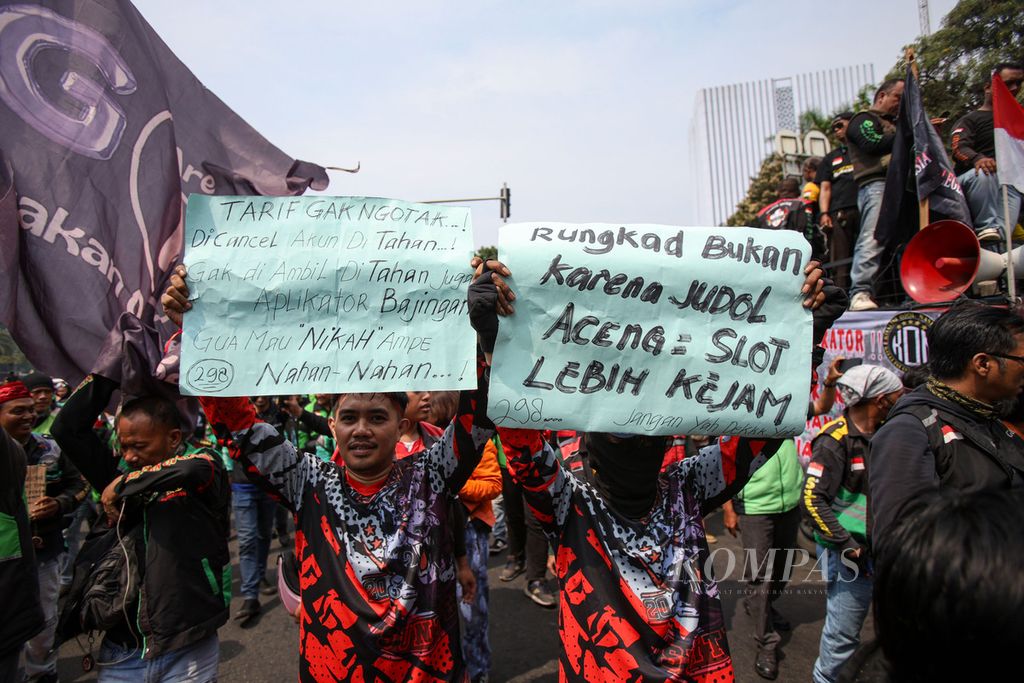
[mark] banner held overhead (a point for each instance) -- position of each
(653, 329)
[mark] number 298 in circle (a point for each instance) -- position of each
(210, 375)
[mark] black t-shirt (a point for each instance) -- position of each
(836, 168)
(973, 137)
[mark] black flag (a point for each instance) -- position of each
(103, 134)
(918, 169)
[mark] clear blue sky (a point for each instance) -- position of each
(582, 107)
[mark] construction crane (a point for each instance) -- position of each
(922, 15)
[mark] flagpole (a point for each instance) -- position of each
(1011, 282)
(922, 204)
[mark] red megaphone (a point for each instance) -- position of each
(943, 260)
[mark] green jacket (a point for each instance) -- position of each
(775, 487)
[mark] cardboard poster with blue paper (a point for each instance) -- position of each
(649, 329)
(316, 294)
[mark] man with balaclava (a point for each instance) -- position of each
(635, 601)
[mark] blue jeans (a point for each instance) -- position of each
(848, 601)
(499, 531)
(40, 655)
(985, 198)
(476, 647)
(85, 512)
(196, 663)
(867, 252)
(254, 521)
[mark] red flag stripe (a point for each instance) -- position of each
(1006, 111)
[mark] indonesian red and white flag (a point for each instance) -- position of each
(1008, 117)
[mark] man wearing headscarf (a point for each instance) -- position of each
(64, 490)
(21, 615)
(836, 500)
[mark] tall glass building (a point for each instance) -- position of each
(733, 128)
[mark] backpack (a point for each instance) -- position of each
(105, 584)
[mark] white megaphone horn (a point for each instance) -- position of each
(944, 259)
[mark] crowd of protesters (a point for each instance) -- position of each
(393, 502)
(840, 199)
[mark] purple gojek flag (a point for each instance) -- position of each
(103, 134)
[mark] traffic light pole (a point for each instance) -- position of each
(504, 196)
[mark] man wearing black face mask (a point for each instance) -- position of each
(636, 601)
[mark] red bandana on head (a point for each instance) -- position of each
(13, 390)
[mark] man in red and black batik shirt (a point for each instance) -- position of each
(373, 535)
(636, 601)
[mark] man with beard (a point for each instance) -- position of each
(974, 152)
(946, 435)
(635, 603)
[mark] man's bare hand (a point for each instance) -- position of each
(505, 294)
(826, 223)
(834, 373)
(175, 297)
(291, 405)
(731, 521)
(466, 578)
(814, 283)
(44, 508)
(109, 500)
(986, 165)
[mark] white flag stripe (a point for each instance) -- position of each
(1010, 159)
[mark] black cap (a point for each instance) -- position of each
(842, 116)
(38, 380)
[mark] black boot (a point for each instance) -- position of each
(767, 664)
(250, 608)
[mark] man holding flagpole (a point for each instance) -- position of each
(974, 153)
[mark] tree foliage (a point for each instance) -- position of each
(485, 253)
(11, 357)
(764, 189)
(812, 119)
(956, 61)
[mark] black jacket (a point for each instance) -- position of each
(869, 139)
(183, 504)
(21, 617)
(931, 444)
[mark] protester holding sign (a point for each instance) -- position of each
(637, 602)
(374, 538)
(64, 490)
(21, 613)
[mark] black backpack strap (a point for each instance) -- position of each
(929, 418)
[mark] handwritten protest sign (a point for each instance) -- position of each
(648, 329)
(325, 294)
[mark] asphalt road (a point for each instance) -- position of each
(524, 637)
